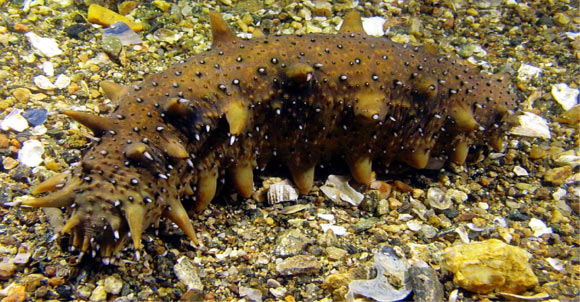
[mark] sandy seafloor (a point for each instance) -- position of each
(243, 239)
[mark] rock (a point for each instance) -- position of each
(326, 239)
(7, 269)
(334, 253)
(74, 31)
(383, 207)
(531, 125)
(98, 294)
(187, 273)
(21, 94)
(32, 281)
(35, 117)
(47, 47)
(561, 19)
(390, 284)
(571, 117)
(62, 81)
(483, 267)
(278, 292)
(111, 45)
(162, 5)
(301, 264)
(565, 96)
(322, 8)
(557, 176)
(13, 293)
(106, 17)
(126, 7)
(519, 171)
(251, 293)
(14, 121)
(365, 224)
(291, 243)
(123, 32)
(113, 284)
(425, 284)
(31, 152)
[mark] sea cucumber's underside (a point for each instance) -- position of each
(299, 100)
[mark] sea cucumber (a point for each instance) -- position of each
(300, 100)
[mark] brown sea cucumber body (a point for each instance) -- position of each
(301, 100)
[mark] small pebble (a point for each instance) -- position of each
(22, 95)
(531, 125)
(106, 17)
(557, 176)
(113, 284)
(528, 72)
(373, 26)
(187, 273)
(251, 294)
(35, 117)
(42, 82)
(124, 34)
(300, 264)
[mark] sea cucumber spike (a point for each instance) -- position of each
(460, 151)
(303, 178)
(361, 169)
(370, 105)
(221, 31)
(236, 115)
(58, 199)
(496, 142)
(99, 125)
(137, 151)
(418, 159)
(352, 23)
(206, 188)
(86, 242)
(134, 214)
(114, 91)
(463, 117)
(178, 215)
(243, 177)
(71, 223)
(176, 150)
(176, 106)
(300, 73)
(53, 183)
(425, 87)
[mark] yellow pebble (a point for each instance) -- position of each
(270, 221)
(162, 5)
(106, 17)
(126, 7)
(472, 12)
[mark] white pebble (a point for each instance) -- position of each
(48, 68)
(528, 72)
(519, 171)
(62, 81)
(532, 125)
(47, 47)
(14, 121)
(539, 227)
(31, 152)
(43, 82)
(373, 26)
(565, 96)
(327, 217)
(337, 230)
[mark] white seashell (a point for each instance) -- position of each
(539, 227)
(519, 171)
(373, 26)
(43, 82)
(47, 47)
(62, 81)
(337, 189)
(528, 72)
(565, 96)
(531, 125)
(31, 152)
(48, 68)
(282, 191)
(14, 121)
(337, 230)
